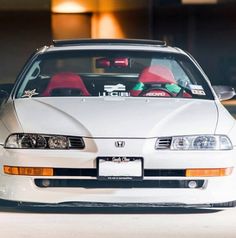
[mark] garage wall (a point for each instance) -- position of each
(25, 5)
(20, 34)
(208, 32)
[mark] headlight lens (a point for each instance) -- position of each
(58, 142)
(36, 141)
(198, 142)
(33, 141)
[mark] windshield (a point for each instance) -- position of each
(101, 73)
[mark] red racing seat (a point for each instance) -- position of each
(157, 74)
(65, 80)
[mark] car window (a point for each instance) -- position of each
(100, 73)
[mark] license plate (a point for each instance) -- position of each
(120, 168)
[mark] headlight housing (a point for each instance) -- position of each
(195, 142)
(39, 141)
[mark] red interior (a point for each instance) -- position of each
(66, 80)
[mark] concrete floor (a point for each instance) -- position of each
(158, 223)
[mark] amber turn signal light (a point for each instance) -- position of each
(208, 172)
(29, 171)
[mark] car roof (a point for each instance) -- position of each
(112, 44)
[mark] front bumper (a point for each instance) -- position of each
(23, 189)
(28, 189)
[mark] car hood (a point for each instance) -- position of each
(117, 117)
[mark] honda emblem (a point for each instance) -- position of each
(119, 144)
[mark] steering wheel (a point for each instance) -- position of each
(184, 90)
(161, 91)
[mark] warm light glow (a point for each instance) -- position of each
(78, 6)
(71, 26)
(106, 25)
(121, 5)
(69, 6)
(199, 1)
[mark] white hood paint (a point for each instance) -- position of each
(226, 122)
(117, 117)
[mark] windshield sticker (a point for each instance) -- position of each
(157, 94)
(29, 93)
(197, 90)
(111, 88)
(115, 90)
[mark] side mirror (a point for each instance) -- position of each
(224, 92)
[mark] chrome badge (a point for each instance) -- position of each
(119, 144)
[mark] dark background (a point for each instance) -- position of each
(207, 31)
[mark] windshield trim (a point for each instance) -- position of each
(170, 55)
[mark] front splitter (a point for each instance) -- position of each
(114, 205)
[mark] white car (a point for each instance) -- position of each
(116, 123)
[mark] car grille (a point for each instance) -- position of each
(76, 142)
(93, 172)
(92, 182)
(163, 143)
(95, 184)
(164, 172)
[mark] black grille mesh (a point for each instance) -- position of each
(93, 172)
(92, 183)
(163, 143)
(76, 142)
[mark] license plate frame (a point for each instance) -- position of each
(107, 168)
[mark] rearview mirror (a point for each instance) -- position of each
(224, 92)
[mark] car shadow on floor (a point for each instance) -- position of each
(11, 207)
